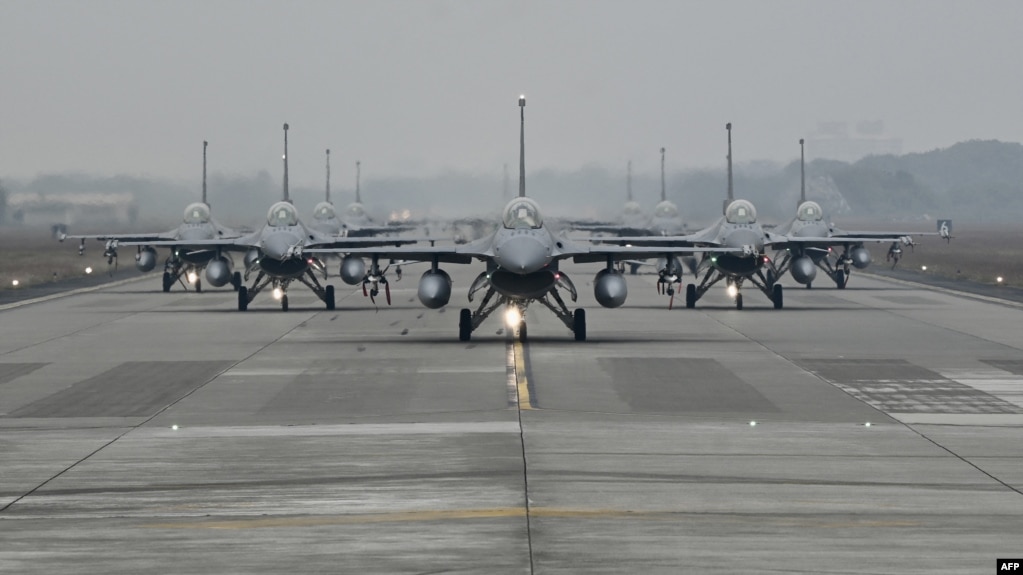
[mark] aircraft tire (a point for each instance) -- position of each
(840, 279)
(809, 285)
(236, 280)
(464, 325)
(522, 332)
(167, 282)
(198, 285)
(777, 296)
(329, 297)
(284, 302)
(243, 298)
(770, 278)
(579, 324)
(738, 301)
(691, 296)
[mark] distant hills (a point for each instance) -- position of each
(978, 180)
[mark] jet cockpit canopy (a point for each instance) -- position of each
(282, 214)
(632, 209)
(666, 209)
(355, 210)
(810, 212)
(522, 213)
(324, 211)
(197, 213)
(741, 212)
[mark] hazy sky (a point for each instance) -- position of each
(418, 87)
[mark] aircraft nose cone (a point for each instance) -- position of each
(522, 255)
(742, 238)
(277, 245)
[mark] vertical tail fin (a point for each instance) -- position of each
(802, 173)
(287, 198)
(731, 194)
(628, 182)
(204, 144)
(358, 176)
(664, 194)
(522, 146)
(328, 175)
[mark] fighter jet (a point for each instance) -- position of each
(197, 224)
(324, 216)
(812, 241)
(274, 252)
(522, 260)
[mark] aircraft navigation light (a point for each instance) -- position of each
(192, 276)
(512, 317)
(278, 293)
(88, 270)
(733, 291)
(15, 283)
(999, 279)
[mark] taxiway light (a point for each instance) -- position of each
(278, 293)
(88, 270)
(15, 283)
(733, 291)
(512, 317)
(192, 276)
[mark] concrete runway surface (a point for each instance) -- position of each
(143, 431)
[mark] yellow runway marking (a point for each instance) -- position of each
(522, 382)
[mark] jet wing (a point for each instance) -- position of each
(123, 238)
(616, 253)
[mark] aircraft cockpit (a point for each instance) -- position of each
(666, 209)
(356, 210)
(282, 214)
(741, 212)
(632, 209)
(324, 211)
(522, 213)
(197, 213)
(809, 212)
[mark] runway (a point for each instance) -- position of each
(168, 432)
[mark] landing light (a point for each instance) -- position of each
(867, 424)
(999, 279)
(278, 293)
(88, 270)
(15, 283)
(733, 291)
(752, 424)
(512, 317)
(924, 268)
(174, 427)
(192, 276)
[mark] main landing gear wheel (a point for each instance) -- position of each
(243, 298)
(738, 301)
(579, 324)
(236, 280)
(329, 296)
(840, 279)
(284, 302)
(770, 278)
(777, 296)
(691, 296)
(167, 282)
(464, 324)
(809, 285)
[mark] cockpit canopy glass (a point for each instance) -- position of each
(522, 213)
(197, 213)
(632, 209)
(324, 211)
(356, 211)
(666, 210)
(741, 212)
(810, 212)
(282, 214)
